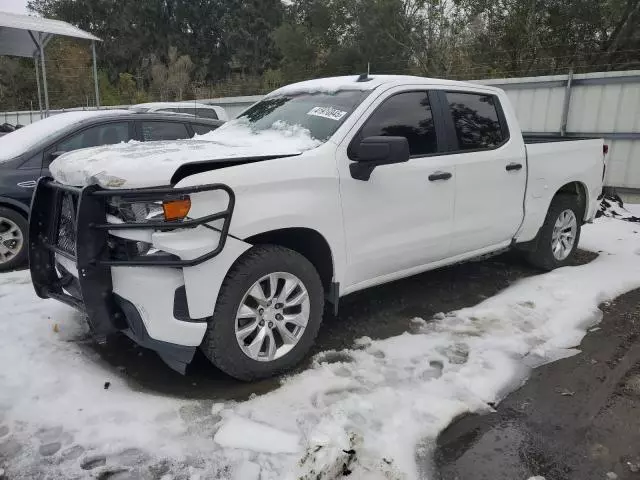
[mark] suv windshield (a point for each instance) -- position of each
(319, 113)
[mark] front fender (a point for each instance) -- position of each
(293, 192)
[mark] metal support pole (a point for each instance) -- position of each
(95, 73)
(35, 62)
(44, 80)
(567, 104)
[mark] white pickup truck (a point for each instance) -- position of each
(233, 241)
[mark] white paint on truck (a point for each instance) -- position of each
(451, 202)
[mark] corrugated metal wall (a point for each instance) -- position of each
(602, 104)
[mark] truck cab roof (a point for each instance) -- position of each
(368, 82)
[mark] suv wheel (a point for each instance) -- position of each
(268, 314)
(13, 239)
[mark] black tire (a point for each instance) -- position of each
(542, 256)
(19, 259)
(220, 345)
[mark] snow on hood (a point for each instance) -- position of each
(149, 164)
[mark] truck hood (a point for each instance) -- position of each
(150, 164)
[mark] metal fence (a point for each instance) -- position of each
(601, 104)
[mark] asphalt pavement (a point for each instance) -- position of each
(578, 418)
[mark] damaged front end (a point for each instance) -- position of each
(124, 258)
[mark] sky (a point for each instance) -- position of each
(13, 6)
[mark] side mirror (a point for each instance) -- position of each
(375, 151)
(54, 155)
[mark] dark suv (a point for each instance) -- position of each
(25, 156)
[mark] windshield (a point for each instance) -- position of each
(319, 113)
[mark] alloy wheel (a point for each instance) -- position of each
(272, 316)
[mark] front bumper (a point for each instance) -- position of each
(72, 260)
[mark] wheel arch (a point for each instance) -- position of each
(574, 188)
(580, 191)
(15, 206)
(309, 243)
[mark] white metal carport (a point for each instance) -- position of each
(26, 36)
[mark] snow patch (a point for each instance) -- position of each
(349, 82)
(362, 410)
(238, 432)
(613, 206)
(330, 85)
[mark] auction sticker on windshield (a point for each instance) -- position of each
(327, 112)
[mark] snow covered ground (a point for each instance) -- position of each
(369, 410)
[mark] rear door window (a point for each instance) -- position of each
(105, 134)
(476, 120)
(153, 131)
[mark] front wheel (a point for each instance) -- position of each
(267, 315)
(559, 236)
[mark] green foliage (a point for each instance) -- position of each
(248, 25)
(175, 49)
(109, 94)
(127, 88)
(17, 84)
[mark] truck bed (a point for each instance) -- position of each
(553, 162)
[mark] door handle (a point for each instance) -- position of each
(439, 176)
(513, 166)
(27, 184)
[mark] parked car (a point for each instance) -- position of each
(8, 128)
(192, 108)
(323, 188)
(25, 155)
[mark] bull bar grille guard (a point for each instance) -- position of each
(92, 254)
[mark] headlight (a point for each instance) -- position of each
(137, 211)
(141, 211)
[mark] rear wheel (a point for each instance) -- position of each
(559, 236)
(268, 314)
(13, 243)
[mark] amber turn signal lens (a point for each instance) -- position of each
(176, 209)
